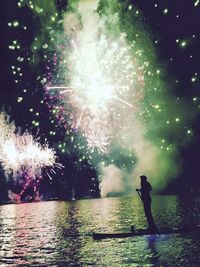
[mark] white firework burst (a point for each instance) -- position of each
(97, 140)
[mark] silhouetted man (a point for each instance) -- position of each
(145, 194)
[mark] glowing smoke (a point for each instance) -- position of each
(112, 180)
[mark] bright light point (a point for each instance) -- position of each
(158, 71)
(16, 23)
(130, 7)
(177, 40)
(183, 43)
(19, 99)
(194, 99)
(45, 46)
(177, 119)
(196, 3)
(165, 11)
(168, 122)
(193, 79)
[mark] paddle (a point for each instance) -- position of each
(139, 194)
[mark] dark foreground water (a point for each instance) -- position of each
(58, 233)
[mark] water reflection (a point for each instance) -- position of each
(68, 234)
(6, 236)
(27, 232)
(154, 256)
(59, 234)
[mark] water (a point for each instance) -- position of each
(58, 233)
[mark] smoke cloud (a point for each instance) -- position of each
(112, 181)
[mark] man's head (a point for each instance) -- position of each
(143, 178)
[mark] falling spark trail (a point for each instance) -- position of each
(79, 120)
(49, 176)
(76, 49)
(59, 87)
(66, 91)
(122, 101)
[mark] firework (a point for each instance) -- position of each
(22, 155)
(97, 140)
(103, 86)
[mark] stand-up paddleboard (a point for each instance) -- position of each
(142, 232)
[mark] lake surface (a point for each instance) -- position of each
(58, 233)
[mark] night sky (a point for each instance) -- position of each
(162, 39)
